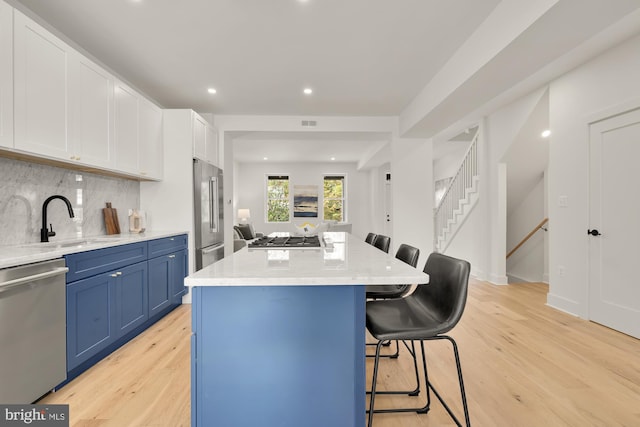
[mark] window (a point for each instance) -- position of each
(278, 205)
(334, 198)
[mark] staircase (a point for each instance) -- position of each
(458, 201)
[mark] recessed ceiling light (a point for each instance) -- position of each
(212, 90)
(333, 158)
(546, 133)
(265, 158)
(308, 91)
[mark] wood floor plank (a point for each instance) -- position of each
(524, 364)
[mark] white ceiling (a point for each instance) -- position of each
(281, 147)
(361, 57)
(427, 62)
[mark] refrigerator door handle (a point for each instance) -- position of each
(212, 248)
(213, 208)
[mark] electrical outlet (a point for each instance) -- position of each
(561, 271)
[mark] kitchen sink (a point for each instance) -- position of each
(76, 243)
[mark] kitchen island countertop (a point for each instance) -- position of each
(342, 260)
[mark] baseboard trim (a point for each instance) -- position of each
(563, 304)
(515, 279)
(498, 279)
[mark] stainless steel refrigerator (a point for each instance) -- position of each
(208, 212)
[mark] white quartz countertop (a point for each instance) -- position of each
(12, 255)
(343, 260)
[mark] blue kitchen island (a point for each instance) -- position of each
(278, 335)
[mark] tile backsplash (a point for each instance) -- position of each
(25, 186)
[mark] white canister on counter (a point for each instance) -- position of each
(137, 221)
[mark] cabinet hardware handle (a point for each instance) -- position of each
(172, 256)
(4, 286)
(113, 275)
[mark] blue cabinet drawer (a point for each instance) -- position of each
(91, 263)
(167, 245)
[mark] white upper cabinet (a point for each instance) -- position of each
(150, 140)
(91, 102)
(211, 144)
(55, 103)
(138, 134)
(40, 90)
(6, 75)
(199, 137)
(205, 140)
(126, 128)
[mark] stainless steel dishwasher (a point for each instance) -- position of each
(32, 330)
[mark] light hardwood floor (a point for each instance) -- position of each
(524, 364)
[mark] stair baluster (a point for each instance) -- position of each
(464, 182)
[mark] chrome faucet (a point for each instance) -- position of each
(44, 231)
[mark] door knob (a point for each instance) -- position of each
(594, 232)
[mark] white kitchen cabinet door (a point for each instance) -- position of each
(6, 75)
(211, 145)
(150, 140)
(199, 137)
(40, 90)
(92, 105)
(126, 128)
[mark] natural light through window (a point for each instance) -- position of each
(278, 203)
(334, 198)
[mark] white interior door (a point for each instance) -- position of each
(614, 253)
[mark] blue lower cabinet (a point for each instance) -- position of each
(113, 294)
(132, 309)
(159, 280)
(90, 317)
(166, 280)
(103, 308)
(295, 352)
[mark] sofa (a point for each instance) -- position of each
(243, 233)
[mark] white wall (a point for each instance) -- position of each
(412, 187)
(482, 239)
(503, 127)
(169, 203)
(249, 191)
(581, 96)
(527, 263)
(376, 191)
(447, 165)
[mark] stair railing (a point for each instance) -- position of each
(456, 191)
(528, 236)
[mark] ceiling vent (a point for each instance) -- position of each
(309, 123)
